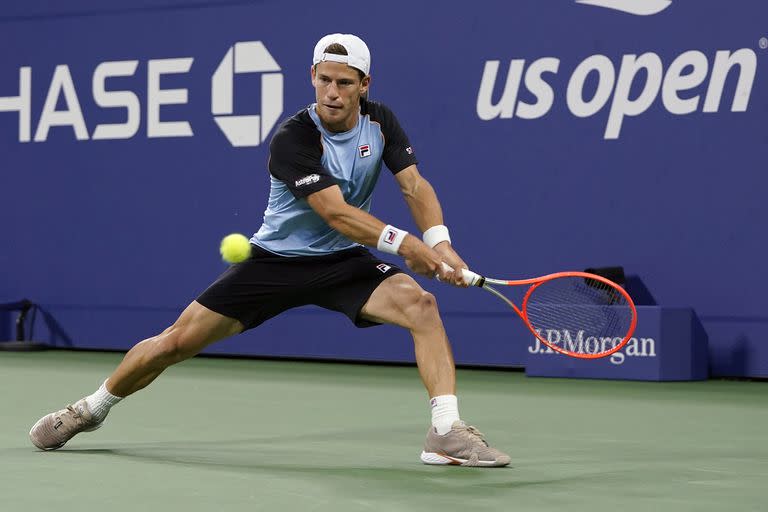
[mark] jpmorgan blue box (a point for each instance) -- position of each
(668, 344)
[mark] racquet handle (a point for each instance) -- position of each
(471, 278)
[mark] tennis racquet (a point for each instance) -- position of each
(574, 313)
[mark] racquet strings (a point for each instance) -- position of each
(579, 315)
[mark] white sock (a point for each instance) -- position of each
(445, 410)
(100, 402)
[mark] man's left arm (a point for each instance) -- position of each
(427, 213)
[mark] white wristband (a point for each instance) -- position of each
(435, 235)
(390, 239)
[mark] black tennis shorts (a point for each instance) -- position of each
(266, 284)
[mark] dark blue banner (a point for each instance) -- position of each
(559, 135)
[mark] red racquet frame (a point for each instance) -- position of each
(474, 279)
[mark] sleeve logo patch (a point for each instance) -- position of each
(365, 150)
(409, 150)
(307, 180)
(383, 267)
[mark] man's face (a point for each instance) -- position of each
(337, 91)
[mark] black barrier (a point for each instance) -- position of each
(23, 306)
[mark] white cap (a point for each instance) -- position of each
(357, 56)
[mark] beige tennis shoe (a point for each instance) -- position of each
(463, 445)
(55, 429)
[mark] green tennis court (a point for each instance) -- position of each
(221, 434)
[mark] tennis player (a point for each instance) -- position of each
(324, 164)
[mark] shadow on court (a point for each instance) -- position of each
(317, 465)
(470, 478)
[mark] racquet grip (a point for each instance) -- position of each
(471, 278)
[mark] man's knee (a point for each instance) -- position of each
(174, 345)
(196, 328)
(419, 307)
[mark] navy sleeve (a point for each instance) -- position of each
(398, 152)
(294, 157)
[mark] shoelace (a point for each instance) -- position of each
(75, 414)
(473, 433)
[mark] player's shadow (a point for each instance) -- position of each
(320, 456)
(341, 474)
(467, 482)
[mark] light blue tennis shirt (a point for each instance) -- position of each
(306, 158)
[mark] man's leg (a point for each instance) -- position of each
(196, 328)
(399, 300)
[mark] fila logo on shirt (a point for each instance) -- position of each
(383, 267)
(365, 150)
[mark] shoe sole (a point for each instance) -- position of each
(441, 459)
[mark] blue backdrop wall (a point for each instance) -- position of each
(559, 135)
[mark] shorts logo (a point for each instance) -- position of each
(308, 180)
(365, 150)
(383, 267)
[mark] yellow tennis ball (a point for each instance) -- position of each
(235, 248)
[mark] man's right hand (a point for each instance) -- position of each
(427, 262)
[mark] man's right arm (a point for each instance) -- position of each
(364, 228)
